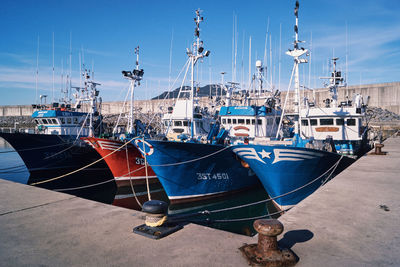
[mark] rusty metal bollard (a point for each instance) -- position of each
(378, 150)
(266, 252)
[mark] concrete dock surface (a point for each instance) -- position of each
(354, 220)
(44, 228)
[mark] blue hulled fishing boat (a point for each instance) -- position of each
(291, 169)
(197, 164)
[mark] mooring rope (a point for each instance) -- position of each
(208, 212)
(84, 167)
(83, 187)
(130, 177)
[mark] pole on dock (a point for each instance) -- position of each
(267, 252)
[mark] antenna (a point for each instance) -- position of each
(309, 65)
(242, 62)
(347, 71)
(249, 61)
(280, 52)
(170, 63)
(233, 42)
(52, 91)
(37, 71)
(265, 42)
(236, 37)
(270, 58)
(70, 66)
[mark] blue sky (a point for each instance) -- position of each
(106, 32)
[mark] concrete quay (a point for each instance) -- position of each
(354, 220)
(44, 228)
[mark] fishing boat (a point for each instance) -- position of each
(343, 121)
(136, 181)
(253, 114)
(291, 169)
(197, 165)
(55, 156)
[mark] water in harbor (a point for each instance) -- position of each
(214, 212)
(11, 165)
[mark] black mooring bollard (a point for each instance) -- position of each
(266, 252)
(156, 223)
(156, 212)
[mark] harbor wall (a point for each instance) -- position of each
(383, 95)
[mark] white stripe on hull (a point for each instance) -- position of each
(190, 196)
(134, 178)
(137, 194)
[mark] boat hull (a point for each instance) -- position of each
(51, 156)
(194, 171)
(290, 174)
(126, 164)
(128, 168)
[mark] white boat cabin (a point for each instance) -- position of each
(341, 123)
(177, 122)
(250, 121)
(60, 122)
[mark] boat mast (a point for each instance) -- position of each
(296, 53)
(135, 76)
(334, 81)
(195, 54)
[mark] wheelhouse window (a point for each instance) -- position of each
(229, 121)
(248, 121)
(351, 122)
(233, 121)
(62, 120)
(223, 121)
(339, 121)
(313, 122)
(304, 122)
(185, 123)
(75, 120)
(240, 121)
(36, 121)
(54, 121)
(45, 121)
(177, 123)
(253, 121)
(69, 120)
(259, 122)
(326, 122)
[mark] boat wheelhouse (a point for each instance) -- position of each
(250, 121)
(259, 115)
(342, 122)
(177, 121)
(61, 122)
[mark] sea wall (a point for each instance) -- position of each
(383, 95)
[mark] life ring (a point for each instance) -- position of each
(151, 149)
(241, 128)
